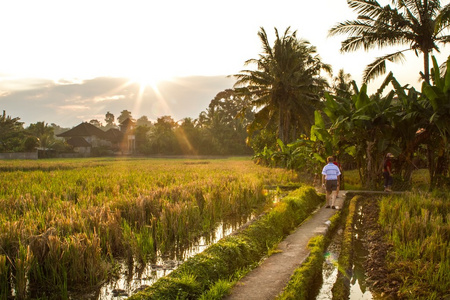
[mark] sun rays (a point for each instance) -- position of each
(149, 91)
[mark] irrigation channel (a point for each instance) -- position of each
(134, 278)
(358, 287)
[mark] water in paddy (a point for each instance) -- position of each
(358, 287)
(134, 278)
(329, 269)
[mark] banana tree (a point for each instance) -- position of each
(438, 96)
(363, 126)
(411, 127)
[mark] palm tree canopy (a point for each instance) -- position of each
(286, 83)
(420, 25)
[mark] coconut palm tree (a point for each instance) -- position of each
(342, 84)
(286, 85)
(418, 24)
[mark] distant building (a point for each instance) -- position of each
(85, 137)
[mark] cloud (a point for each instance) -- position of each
(70, 102)
(109, 98)
(71, 108)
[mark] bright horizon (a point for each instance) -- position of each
(56, 56)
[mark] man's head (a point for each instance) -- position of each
(389, 155)
(330, 159)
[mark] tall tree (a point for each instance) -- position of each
(43, 132)
(417, 24)
(109, 119)
(11, 133)
(286, 85)
(342, 84)
(188, 136)
(58, 129)
(162, 136)
(224, 123)
(142, 140)
(124, 114)
(143, 121)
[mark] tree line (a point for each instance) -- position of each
(217, 131)
(289, 114)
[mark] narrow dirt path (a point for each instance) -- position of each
(270, 278)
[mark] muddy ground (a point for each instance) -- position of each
(382, 283)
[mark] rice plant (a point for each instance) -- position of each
(77, 218)
(418, 226)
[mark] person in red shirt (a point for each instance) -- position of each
(387, 173)
(335, 162)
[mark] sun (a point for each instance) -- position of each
(146, 80)
(149, 91)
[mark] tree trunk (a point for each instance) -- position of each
(361, 175)
(283, 124)
(405, 160)
(426, 65)
(371, 170)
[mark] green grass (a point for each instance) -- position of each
(219, 288)
(420, 180)
(351, 180)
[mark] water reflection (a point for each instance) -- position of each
(358, 285)
(135, 278)
(330, 267)
(275, 195)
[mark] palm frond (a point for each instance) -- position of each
(444, 39)
(368, 8)
(355, 27)
(378, 67)
(355, 87)
(385, 83)
(368, 35)
(265, 42)
(413, 16)
(442, 20)
(354, 43)
(410, 6)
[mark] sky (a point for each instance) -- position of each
(66, 62)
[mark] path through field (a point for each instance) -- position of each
(270, 278)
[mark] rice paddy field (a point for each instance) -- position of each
(418, 228)
(66, 225)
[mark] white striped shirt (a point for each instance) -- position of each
(331, 171)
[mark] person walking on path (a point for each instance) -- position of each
(341, 179)
(387, 173)
(330, 180)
